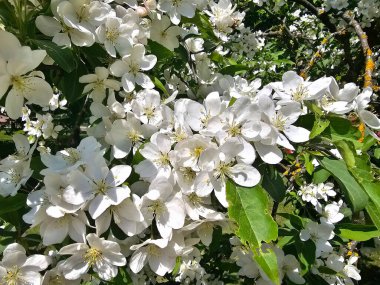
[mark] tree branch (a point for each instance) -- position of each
(369, 64)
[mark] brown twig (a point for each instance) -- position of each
(317, 54)
(369, 64)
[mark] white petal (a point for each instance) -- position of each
(13, 104)
(138, 260)
(245, 175)
(119, 174)
(297, 134)
(269, 153)
(369, 119)
(98, 205)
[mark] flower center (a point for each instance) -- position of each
(92, 255)
(197, 151)
(300, 93)
(234, 130)
(11, 278)
(279, 122)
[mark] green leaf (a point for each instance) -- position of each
(347, 151)
(318, 127)
(249, 208)
(162, 53)
(320, 175)
(233, 69)
(341, 128)
(63, 56)
(267, 260)
(160, 86)
(306, 253)
(272, 182)
(204, 26)
(356, 196)
(70, 86)
(10, 204)
(357, 232)
(374, 213)
(295, 221)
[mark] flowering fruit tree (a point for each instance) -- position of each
(188, 142)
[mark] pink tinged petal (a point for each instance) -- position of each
(118, 174)
(369, 119)
(269, 153)
(144, 81)
(245, 175)
(38, 260)
(138, 260)
(13, 104)
(119, 68)
(297, 134)
(98, 205)
(5, 82)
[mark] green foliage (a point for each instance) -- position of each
(248, 207)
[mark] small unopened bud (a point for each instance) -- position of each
(141, 11)
(150, 4)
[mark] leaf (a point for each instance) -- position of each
(272, 182)
(63, 56)
(295, 220)
(233, 69)
(70, 86)
(10, 204)
(320, 175)
(267, 260)
(357, 232)
(374, 213)
(204, 26)
(248, 207)
(306, 253)
(160, 86)
(347, 151)
(161, 52)
(318, 127)
(341, 128)
(356, 196)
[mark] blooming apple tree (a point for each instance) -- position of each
(188, 142)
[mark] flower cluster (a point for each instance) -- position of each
(162, 127)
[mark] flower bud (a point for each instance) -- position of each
(141, 11)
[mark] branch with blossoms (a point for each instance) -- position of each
(170, 142)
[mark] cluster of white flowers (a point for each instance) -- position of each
(288, 265)
(156, 168)
(369, 10)
(245, 42)
(321, 234)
